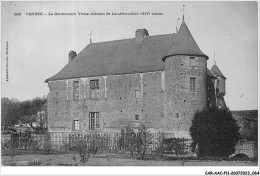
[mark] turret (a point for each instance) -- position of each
(211, 93)
(220, 86)
(185, 80)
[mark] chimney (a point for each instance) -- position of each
(72, 54)
(140, 34)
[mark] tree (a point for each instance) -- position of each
(9, 112)
(144, 139)
(215, 132)
(83, 150)
(13, 110)
(29, 119)
(127, 141)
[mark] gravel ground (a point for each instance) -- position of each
(114, 160)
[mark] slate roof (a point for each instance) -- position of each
(210, 73)
(185, 44)
(126, 56)
(217, 71)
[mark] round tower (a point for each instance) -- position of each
(185, 81)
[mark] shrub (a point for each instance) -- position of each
(99, 143)
(240, 157)
(175, 144)
(159, 150)
(34, 145)
(28, 142)
(121, 141)
(215, 132)
(85, 145)
(47, 142)
(12, 144)
(83, 150)
(127, 141)
(135, 142)
(94, 143)
(144, 140)
(70, 145)
(24, 140)
(40, 130)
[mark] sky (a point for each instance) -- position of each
(37, 47)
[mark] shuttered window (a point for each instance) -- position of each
(94, 89)
(76, 90)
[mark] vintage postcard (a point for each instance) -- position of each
(129, 83)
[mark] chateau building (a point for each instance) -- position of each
(159, 81)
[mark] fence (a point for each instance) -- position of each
(112, 142)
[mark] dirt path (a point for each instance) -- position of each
(101, 160)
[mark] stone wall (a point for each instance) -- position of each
(117, 104)
(163, 95)
(211, 94)
(181, 102)
(221, 86)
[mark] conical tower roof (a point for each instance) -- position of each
(185, 44)
(217, 71)
(210, 73)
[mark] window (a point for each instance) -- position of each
(94, 89)
(136, 116)
(93, 120)
(75, 125)
(192, 84)
(192, 61)
(137, 94)
(76, 90)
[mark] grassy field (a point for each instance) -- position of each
(63, 159)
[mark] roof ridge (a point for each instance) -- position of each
(130, 39)
(125, 56)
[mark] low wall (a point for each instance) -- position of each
(248, 147)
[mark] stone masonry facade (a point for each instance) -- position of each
(165, 100)
(158, 81)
